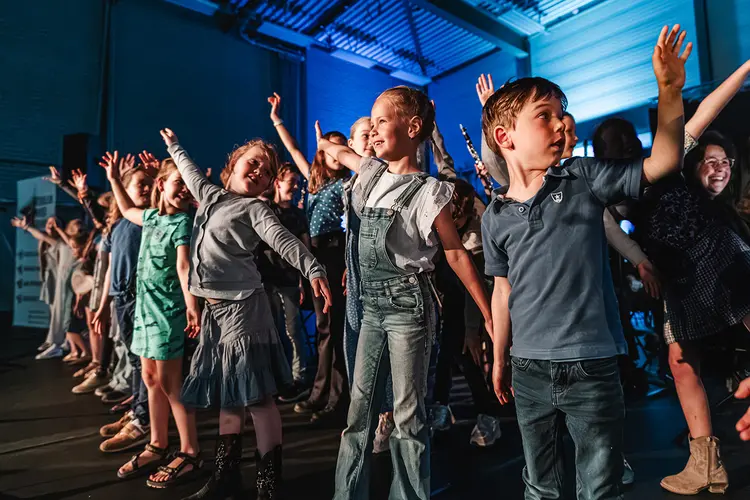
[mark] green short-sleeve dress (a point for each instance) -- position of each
(160, 321)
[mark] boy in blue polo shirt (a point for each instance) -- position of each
(545, 245)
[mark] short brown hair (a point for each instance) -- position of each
(503, 107)
(268, 149)
(411, 102)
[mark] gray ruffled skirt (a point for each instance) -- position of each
(240, 360)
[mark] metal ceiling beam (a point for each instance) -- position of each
(477, 22)
(414, 36)
(328, 16)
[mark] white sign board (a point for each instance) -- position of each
(28, 310)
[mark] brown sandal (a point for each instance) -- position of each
(136, 468)
(173, 473)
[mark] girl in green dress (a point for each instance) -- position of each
(164, 312)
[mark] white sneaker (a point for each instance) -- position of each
(51, 352)
(383, 433)
(486, 432)
(628, 476)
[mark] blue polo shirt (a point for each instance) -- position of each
(553, 250)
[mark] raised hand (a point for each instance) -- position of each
(669, 64)
(485, 88)
(318, 133)
(54, 176)
(168, 136)
(111, 164)
(79, 181)
(19, 223)
(275, 102)
(150, 163)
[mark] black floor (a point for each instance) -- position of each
(49, 445)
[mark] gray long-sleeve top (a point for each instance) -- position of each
(226, 230)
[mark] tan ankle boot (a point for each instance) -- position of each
(704, 470)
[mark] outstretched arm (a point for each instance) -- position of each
(669, 69)
(37, 234)
(289, 143)
(112, 164)
(196, 182)
(344, 154)
(712, 105)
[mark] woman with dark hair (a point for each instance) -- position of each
(701, 246)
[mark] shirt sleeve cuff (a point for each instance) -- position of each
(498, 271)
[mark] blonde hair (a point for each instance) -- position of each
(409, 103)
(165, 170)
(268, 150)
(355, 125)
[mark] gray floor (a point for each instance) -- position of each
(49, 439)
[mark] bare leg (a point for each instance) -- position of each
(267, 423)
(94, 340)
(170, 378)
(684, 360)
(159, 412)
(73, 346)
(231, 420)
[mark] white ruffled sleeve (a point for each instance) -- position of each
(430, 201)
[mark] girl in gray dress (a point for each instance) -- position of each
(240, 361)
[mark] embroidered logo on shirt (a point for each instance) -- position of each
(557, 197)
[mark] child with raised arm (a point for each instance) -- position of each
(240, 361)
(164, 311)
(121, 247)
(403, 215)
(325, 207)
(543, 234)
(48, 248)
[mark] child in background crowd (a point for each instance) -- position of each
(122, 246)
(325, 207)
(283, 281)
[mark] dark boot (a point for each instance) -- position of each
(268, 481)
(226, 481)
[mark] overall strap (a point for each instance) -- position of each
(404, 199)
(373, 182)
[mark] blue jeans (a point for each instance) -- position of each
(125, 310)
(398, 330)
(584, 396)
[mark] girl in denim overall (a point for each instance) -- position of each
(398, 206)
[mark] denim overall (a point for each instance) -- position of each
(354, 294)
(398, 329)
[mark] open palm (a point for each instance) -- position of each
(669, 64)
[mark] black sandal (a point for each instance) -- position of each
(173, 473)
(135, 466)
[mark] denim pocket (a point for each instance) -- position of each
(521, 364)
(367, 242)
(598, 368)
(406, 302)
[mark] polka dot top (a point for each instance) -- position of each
(325, 209)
